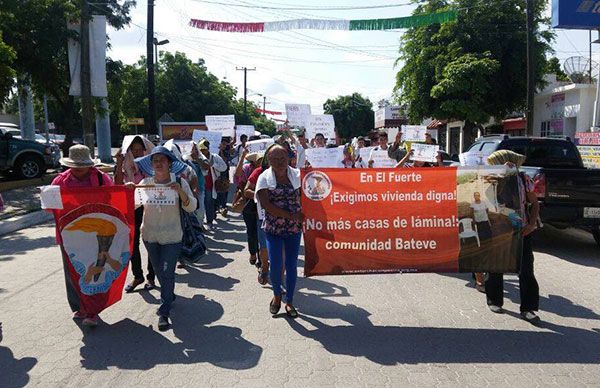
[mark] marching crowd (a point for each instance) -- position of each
(267, 194)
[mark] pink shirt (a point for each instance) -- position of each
(67, 179)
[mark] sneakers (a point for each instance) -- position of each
(78, 315)
(496, 309)
(530, 317)
(90, 321)
(163, 323)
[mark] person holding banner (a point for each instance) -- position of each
(161, 226)
(127, 171)
(81, 173)
(278, 193)
(530, 209)
(212, 165)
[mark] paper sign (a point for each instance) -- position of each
(325, 157)
(214, 138)
(413, 133)
(424, 152)
(392, 132)
(184, 146)
(323, 124)
(158, 196)
(381, 159)
(240, 130)
(297, 114)
(259, 145)
(473, 158)
(50, 197)
(224, 124)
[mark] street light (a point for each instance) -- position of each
(156, 44)
(264, 101)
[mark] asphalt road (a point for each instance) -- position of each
(375, 330)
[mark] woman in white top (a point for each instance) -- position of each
(161, 225)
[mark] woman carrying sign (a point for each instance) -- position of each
(278, 193)
(530, 209)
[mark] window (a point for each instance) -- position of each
(546, 130)
(488, 147)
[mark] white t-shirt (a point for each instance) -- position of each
(480, 211)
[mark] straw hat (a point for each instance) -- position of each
(202, 144)
(79, 157)
(506, 156)
(255, 157)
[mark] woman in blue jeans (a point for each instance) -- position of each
(278, 193)
(161, 224)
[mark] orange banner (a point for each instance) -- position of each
(397, 220)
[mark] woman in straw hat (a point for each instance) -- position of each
(161, 225)
(80, 173)
(530, 209)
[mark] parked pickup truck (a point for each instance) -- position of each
(26, 158)
(569, 194)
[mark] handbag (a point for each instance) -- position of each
(222, 184)
(193, 242)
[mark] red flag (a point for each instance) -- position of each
(95, 230)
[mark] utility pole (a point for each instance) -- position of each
(245, 69)
(87, 108)
(530, 67)
(265, 106)
(151, 125)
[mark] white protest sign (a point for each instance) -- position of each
(325, 157)
(381, 159)
(50, 197)
(240, 130)
(433, 133)
(413, 133)
(259, 145)
(185, 146)
(323, 124)
(214, 138)
(158, 196)
(473, 158)
(424, 152)
(297, 114)
(224, 124)
(392, 132)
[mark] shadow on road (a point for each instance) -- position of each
(14, 372)
(129, 345)
(573, 245)
(391, 345)
(18, 243)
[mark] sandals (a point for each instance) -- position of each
(274, 308)
(291, 311)
(263, 277)
(252, 260)
(131, 286)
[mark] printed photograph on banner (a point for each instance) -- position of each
(381, 159)
(414, 133)
(325, 157)
(297, 114)
(259, 145)
(221, 123)
(214, 138)
(157, 196)
(424, 152)
(323, 124)
(240, 130)
(489, 217)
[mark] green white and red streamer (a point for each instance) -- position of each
(324, 24)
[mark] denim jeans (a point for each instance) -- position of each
(209, 206)
(277, 245)
(163, 259)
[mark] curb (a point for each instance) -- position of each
(13, 224)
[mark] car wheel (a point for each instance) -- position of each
(29, 167)
(596, 234)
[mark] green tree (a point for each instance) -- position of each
(553, 67)
(472, 68)
(7, 73)
(353, 115)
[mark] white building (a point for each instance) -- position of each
(562, 109)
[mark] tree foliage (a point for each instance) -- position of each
(472, 68)
(353, 114)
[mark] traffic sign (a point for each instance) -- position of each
(135, 121)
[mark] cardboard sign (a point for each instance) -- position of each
(214, 138)
(424, 152)
(381, 159)
(414, 133)
(325, 157)
(222, 123)
(323, 124)
(259, 145)
(411, 220)
(297, 114)
(240, 130)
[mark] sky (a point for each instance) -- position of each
(302, 66)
